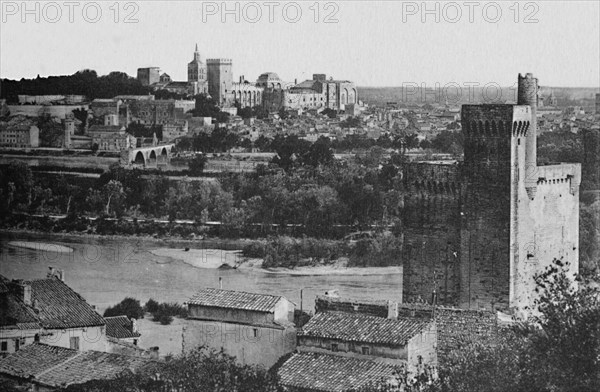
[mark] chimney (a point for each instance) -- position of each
(60, 274)
(23, 291)
(134, 327)
(392, 310)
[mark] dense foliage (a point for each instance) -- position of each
(202, 370)
(129, 307)
(85, 82)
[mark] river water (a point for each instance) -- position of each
(104, 271)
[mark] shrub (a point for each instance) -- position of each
(151, 306)
(129, 307)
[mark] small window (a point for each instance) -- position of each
(334, 347)
(255, 332)
(4, 346)
(74, 343)
(366, 351)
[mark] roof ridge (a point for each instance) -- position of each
(59, 364)
(240, 291)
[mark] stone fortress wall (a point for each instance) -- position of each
(476, 232)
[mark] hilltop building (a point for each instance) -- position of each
(148, 76)
(317, 93)
(198, 74)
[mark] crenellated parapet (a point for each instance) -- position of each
(560, 174)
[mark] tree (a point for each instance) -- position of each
(196, 164)
(113, 192)
(557, 349)
(129, 307)
(203, 369)
(319, 153)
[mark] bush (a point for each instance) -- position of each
(129, 307)
(151, 306)
(164, 312)
(165, 319)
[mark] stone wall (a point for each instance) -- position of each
(329, 304)
(251, 345)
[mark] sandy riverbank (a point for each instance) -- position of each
(41, 246)
(215, 258)
(201, 258)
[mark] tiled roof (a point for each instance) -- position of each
(324, 372)
(91, 365)
(59, 306)
(34, 359)
(235, 300)
(356, 327)
(59, 367)
(15, 312)
(120, 327)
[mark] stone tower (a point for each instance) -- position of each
(478, 232)
(197, 71)
(527, 94)
(220, 80)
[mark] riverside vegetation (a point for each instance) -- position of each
(297, 209)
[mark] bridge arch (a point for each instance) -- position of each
(139, 158)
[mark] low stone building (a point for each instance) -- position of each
(309, 371)
(257, 329)
(50, 312)
(123, 329)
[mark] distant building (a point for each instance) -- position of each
(148, 76)
(111, 138)
(19, 132)
(255, 328)
(310, 94)
(198, 74)
(220, 79)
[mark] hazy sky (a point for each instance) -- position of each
(374, 43)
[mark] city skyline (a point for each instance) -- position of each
(377, 44)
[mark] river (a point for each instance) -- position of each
(104, 271)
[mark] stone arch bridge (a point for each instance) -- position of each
(152, 156)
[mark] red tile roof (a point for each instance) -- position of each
(357, 327)
(60, 367)
(235, 300)
(59, 306)
(120, 327)
(324, 372)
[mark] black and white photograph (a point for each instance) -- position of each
(299, 196)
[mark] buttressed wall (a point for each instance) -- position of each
(488, 225)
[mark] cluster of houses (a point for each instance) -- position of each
(51, 337)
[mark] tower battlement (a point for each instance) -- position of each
(219, 61)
